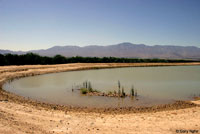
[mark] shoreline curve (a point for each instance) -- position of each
(12, 72)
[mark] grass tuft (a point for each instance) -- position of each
(84, 90)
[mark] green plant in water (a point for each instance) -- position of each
(72, 89)
(132, 91)
(86, 84)
(90, 87)
(136, 93)
(119, 92)
(84, 90)
(119, 85)
(110, 92)
(123, 93)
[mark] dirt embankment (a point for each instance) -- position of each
(18, 115)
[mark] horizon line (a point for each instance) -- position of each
(99, 45)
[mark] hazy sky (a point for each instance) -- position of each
(36, 24)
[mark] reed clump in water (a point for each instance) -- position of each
(121, 93)
(84, 90)
(87, 89)
(133, 92)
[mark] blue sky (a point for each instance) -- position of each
(37, 24)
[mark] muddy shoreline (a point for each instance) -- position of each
(12, 72)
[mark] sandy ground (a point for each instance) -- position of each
(20, 118)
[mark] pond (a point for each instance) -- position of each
(154, 85)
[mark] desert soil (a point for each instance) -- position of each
(19, 117)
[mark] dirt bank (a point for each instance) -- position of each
(18, 115)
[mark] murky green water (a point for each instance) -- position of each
(155, 85)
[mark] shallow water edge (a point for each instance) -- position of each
(12, 72)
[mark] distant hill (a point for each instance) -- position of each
(11, 52)
(127, 50)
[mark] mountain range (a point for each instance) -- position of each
(126, 49)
